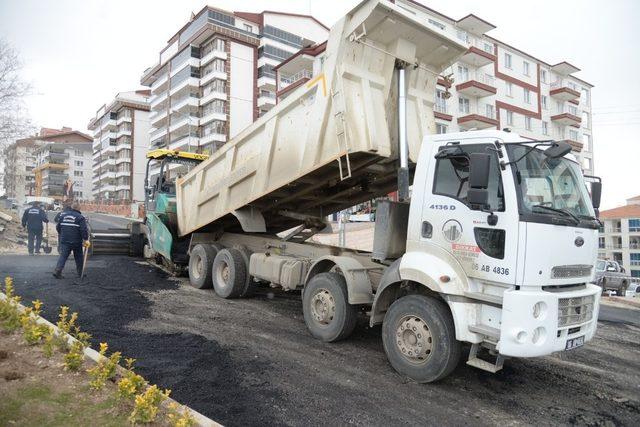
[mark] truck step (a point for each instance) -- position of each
(487, 331)
(493, 299)
(476, 362)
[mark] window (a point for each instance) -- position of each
(525, 68)
(543, 76)
(78, 153)
(282, 36)
(79, 163)
(463, 105)
(545, 128)
(584, 95)
(573, 135)
(489, 111)
(634, 225)
(510, 118)
(215, 44)
(527, 123)
(509, 88)
(586, 142)
(488, 47)
(440, 128)
(78, 173)
(585, 119)
(572, 109)
(527, 96)
(441, 101)
(462, 35)
(586, 163)
(248, 27)
(451, 178)
(601, 242)
(269, 51)
(507, 60)
(543, 100)
(463, 73)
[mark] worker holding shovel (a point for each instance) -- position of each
(74, 235)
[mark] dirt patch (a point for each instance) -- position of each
(35, 390)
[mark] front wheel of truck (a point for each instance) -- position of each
(419, 338)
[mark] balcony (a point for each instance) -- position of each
(479, 53)
(213, 137)
(214, 54)
(182, 122)
(221, 75)
(568, 117)
(188, 83)
(484, 117)
(564, 91)
(267, 82)
(160, 84)
(158, 118)
(477, 85)
(185, 102)
(158, 100)
(107, 125)
(211, 96)
(211, 116)
(158, 133)
(440, 111)
(266, 99)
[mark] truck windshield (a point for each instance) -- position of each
(550, 187)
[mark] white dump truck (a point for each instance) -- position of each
(494, 247)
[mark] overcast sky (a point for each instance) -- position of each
(79, 53)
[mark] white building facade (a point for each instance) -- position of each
(215, 77)
(619, 238)
(57, 163)
(120, 144)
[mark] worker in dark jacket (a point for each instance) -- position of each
(73, 236)
(32, 218)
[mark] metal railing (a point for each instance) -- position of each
(477, 76)
(560, 83)
(485, 110)
(286, 81)
(440, 107)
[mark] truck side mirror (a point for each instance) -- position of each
(596, 193)
(478, 194)
(557, 149)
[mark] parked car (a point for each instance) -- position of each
(611, 276)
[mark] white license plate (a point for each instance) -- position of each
(574, 343)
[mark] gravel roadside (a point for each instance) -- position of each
(252, 361)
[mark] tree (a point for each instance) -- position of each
(14, 122)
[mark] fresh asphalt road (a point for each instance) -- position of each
(252, 361)
(619, 315)
(100, 222)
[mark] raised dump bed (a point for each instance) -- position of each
(333, 142)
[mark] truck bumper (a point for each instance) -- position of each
(536, 323)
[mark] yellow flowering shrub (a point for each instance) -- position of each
(145, 409)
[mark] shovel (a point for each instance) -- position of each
(47, 249)
(85, 256)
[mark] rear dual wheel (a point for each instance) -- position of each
(200, 264)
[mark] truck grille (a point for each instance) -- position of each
(569, 271)
(573, 311)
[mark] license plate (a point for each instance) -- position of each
(574, 343)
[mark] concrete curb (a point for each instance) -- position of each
(94, 357)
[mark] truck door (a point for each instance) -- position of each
(483, 250)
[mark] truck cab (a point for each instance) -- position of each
(513, 256)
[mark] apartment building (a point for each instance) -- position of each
(493, 85)
(619, 238)
(21, 160)
(60, 164)
(215, 75)
(120, 144)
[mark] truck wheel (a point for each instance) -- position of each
(419, 338)
(622, 291)
(229, 273)
(250, 285)
(326, 308)
(200, 263)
